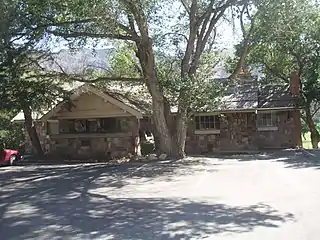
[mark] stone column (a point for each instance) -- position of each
(297, 127)
(137, 145)
(295, 92)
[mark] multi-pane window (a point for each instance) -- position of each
(267, 119)
(102, 125)
(207, 122)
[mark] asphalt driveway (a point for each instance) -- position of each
(274, 196)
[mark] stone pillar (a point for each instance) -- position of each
(137, 145)
(297, 127)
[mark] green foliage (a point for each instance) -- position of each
(286, 38)
(12, 134)
(23, 82)
(124, 63)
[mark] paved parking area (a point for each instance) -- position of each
(274, 196)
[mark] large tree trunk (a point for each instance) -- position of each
(315, 136)
(181, 133)
(241, 61)
(31, 129)
(147, 60)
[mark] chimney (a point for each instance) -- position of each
(295, 84)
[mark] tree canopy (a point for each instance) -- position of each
(143, 23)
(285, 38)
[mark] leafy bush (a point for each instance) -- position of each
(12, 134)
(147, 148)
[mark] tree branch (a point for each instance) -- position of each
(246, 41)
(276, 73)
(185, 65)
(173, 33)
(91, 35)
(81, 79)
(139, 16)
(53, 23)
(185, 5)
(101, 79)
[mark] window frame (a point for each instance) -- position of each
(99, 124)
(267, 121)
(270, 121)
(207, 124)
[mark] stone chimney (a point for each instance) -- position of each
(295, 92)
(295, 84)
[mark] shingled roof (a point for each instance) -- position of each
(133, 100)
(254, 96)
(246, 96)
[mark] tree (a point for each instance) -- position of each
(23, 82)
(139, 22)
(285, 38)
(10, 133)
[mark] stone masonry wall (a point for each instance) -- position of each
(88, 146)
(238, 131)
(283, 138)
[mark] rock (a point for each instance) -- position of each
(138, 158)
(163, 156)
(152, 157)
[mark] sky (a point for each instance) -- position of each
(227, 36)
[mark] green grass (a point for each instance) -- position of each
(307, 143)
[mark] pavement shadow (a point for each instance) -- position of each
(253, 156)
(168, 170)
(64, 208)
(58, 203)
(295, 159)
(165, 170)
(303, 159)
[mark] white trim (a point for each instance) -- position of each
(90, 135)
(96, 116)
(264, 110)
(53, 120)
(252, 110)
(268, 129)
(208, 114)
(207, 131)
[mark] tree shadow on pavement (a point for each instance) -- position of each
(166, 170)
(303, 159)
(291, 158)
(59, 204)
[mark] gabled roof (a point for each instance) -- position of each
(90, 88)
(132, 100)
(108, 96)
(238, 97)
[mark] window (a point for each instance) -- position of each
(66, 126)
(80, 126)
(94, 125)
(102, 125)
(267, 119)
(110, 125)
(207, 122)
(85, 143)
(52, 127)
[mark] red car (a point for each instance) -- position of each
(8, 156)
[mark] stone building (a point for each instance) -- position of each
(107, 123)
